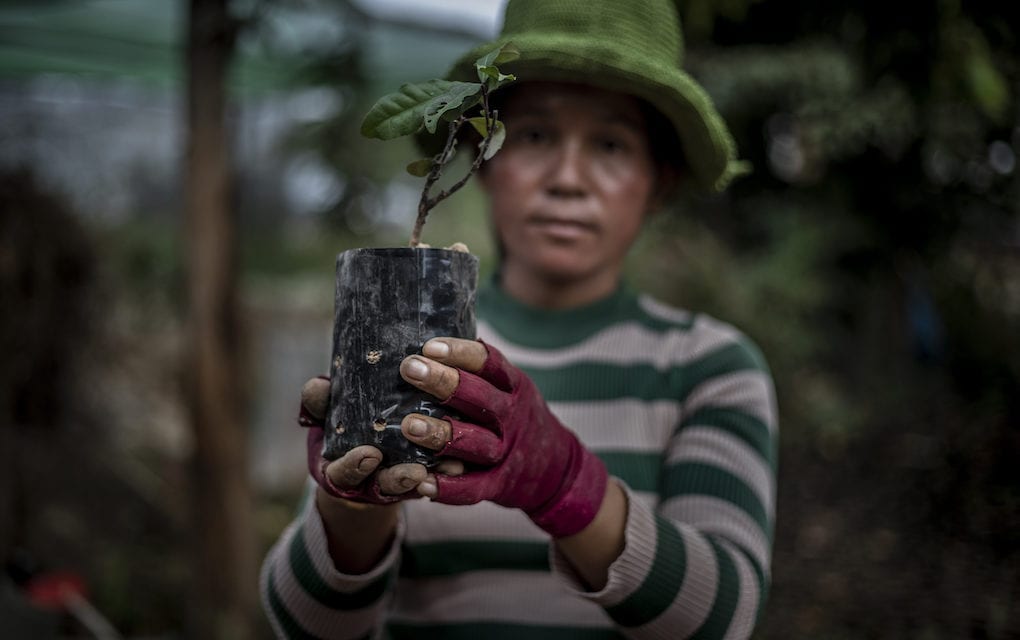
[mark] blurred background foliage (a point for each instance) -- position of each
(874, 254)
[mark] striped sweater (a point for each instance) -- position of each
(681, 409)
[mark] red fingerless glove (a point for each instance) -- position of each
(528, 459)
(368, 491)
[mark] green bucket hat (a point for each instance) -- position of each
(633, 47)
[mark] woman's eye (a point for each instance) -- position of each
(529, 135)
(534, 136)
(611, 145)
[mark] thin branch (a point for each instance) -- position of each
(438, 162)
(443, 195)
(426, 204)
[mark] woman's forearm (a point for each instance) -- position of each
(594, 548)
(358, 535)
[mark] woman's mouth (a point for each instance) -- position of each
(562, 229)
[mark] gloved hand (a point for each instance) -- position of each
(518, 453)
(352, 476)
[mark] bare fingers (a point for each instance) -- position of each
(349, 470)
(431, 433)
(429, 487)
(430, 376)
(468, 355)
(401, 478)
(437, 370)
(315, 397)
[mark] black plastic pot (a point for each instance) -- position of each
(389, 302)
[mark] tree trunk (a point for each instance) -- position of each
(225, 576)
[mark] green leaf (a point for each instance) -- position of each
(487, 70)
(402, 113)
(458, 98)
(479, 125)
(496, 140)
(988, 87)
(493, 78)
(506, 53)
(420, 168)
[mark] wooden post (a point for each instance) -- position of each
(225, 573)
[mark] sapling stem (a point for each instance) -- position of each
(426, 204)
(427, 104)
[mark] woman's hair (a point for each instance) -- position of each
(667, 154)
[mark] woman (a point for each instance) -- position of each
(617, 479)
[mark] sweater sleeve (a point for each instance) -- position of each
(303, 594)
(697, 564)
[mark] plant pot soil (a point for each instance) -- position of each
(388, 303)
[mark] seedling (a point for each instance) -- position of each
(429, 104)
(389, 301)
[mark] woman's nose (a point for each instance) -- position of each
(568, 174)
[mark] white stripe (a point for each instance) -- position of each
(495, 596)
(721, 449)
(430, 522)
(433, 522)
(649, 499)
(318, 550)
(268, 566)
(623, 424)
(313, 617)
(748, 391)
(662, 311)
(631, 567)
(715, 516)
(742, 622)
(709, 334)
(623, 344)
(693, 603)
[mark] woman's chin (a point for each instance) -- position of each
(563, 269)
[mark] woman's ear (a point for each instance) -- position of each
(666, 184)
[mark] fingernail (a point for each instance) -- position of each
(408, 483)
(436, 349)
(416, 369)
(367, 464)
(417, 428)
(428, 488)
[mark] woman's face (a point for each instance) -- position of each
(571, 185)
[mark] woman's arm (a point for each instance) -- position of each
(304, 592)
(695, 562)
(332, 569)
(591, 551)
(357, 535)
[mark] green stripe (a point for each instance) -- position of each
(555, 328)
(497, 631)
(744, 426)
(551, 328)
(735, 356)
(450, 558)
(290, 626)
(763, 585)
(587, 381)
(313, 584)
(725, 602)
(696, 478)
(639, 470)
(662, 583)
